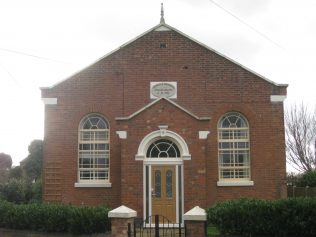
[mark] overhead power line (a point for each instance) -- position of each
(9, 73)
(30, 55)
(246, 24)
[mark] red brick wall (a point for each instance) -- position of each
(118, 85)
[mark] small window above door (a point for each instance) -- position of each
(163, 149)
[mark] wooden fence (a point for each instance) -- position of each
(293, 191)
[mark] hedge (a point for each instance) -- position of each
(54, 218)
(253, 217)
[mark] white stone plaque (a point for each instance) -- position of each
(163, 89)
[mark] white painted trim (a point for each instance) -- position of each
(139, 157)
(164, 127)
(177, 194)
(150, 189)
(93, 185)
(186, 157)
(138, 111)
(162, 28)
(122, 134)
(182, 190)
(163, 130)
(195, 214)
(163, 161)
(203, 134)
(277, 98)
(156, 101)
(234, 183)
(122, 212)
(144, 191)
(50, 101)
(148, 139)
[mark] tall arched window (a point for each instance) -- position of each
(94, 150)
(233, 148)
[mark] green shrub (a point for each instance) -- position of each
(252, 217)
(14, 190)
(302, 180)
(88, 220)
(21, 191)
(307, 179)
(5, 208)
(36, 190)
(54, 218)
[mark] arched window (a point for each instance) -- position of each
(163, 149)
(94, 150)
(233, 147)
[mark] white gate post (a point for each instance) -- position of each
(195, 222)
(120, 218)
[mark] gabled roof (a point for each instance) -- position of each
(165, 27)
(155, 102)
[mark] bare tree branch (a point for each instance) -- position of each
(300, 129)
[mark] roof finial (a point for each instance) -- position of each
(162, 19)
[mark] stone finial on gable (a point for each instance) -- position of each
(162, 19)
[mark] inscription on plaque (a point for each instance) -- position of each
(163, 89)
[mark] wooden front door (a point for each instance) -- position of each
(163, 187)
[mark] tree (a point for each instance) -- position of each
(5, 161)
(15, 173)
(300, 128)
(32, 164)
(22, 184)
(5, 165)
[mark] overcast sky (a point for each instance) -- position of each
(43, 42)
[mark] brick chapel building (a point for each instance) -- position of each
(163, 124)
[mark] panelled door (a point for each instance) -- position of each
(163, 191)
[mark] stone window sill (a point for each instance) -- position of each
(93, 185)
(234, 183)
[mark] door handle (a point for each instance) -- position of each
(153, 194)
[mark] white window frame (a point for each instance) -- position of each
(232, 142)
(95, 182)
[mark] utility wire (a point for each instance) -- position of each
(248, 25)
(30, 55)
(9, 73)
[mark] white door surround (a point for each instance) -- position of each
(163, 133)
